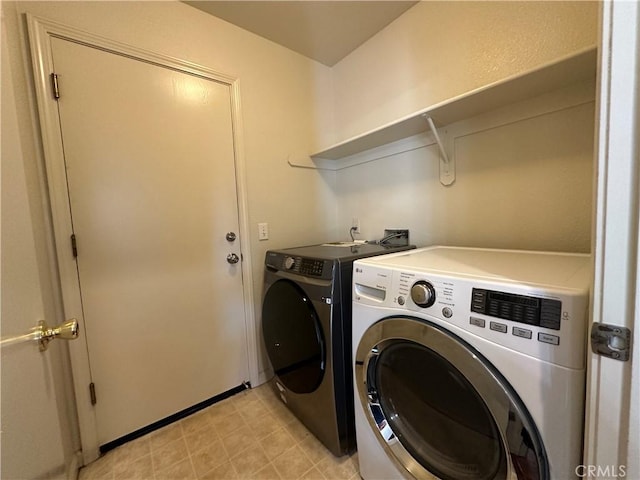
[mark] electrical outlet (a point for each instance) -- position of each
(355, 224)
(263, 231)
(396, 236)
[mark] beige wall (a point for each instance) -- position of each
(525, 183)
(440, 49)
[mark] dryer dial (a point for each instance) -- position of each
(423, 294)
(289, 263)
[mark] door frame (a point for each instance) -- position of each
(613, 387)
(41, 31)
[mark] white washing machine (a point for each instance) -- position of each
(470, 364)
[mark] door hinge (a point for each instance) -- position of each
(92, 392)
(74, 246)
(611, 341)
(55, 86)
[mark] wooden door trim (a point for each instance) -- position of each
(41, 31)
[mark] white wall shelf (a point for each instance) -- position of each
(555, 75)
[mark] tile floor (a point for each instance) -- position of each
(248, 436)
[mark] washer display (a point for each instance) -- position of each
(446, 389)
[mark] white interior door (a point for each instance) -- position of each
(30, 437)
(149, 159)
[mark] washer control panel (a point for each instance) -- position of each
(542, 312)
(537, 321)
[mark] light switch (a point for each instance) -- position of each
(263, 231)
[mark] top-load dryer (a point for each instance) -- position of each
(306, 324)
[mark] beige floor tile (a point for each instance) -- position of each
(132, 451)
(201, 438)
(223, 472)
(169, 454)
(240, 440)
(222, 409)
(195, 422)
(248, 436)
(313, 474)
(335, 468)
(182, 470)
(315, 450)
(270, 399)
(265, 425)
(139, 469)
(250, 461)
(266, 473)
(277, 443)
(228, 424)
(160, 438)
(298, 430)
(282, 413)
(253, 410)
(209, 458)
(293, 463)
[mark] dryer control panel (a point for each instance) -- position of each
(309, 267)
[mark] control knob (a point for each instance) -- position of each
(423, 294)
(289, 263)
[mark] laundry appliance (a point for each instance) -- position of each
(470, 364)
(306, 324)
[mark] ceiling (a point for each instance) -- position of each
(325, 31)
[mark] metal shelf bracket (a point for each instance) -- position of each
(447, 164)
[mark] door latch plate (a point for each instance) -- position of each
(611, 341)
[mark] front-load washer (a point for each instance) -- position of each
(470, 364)
(306, 325)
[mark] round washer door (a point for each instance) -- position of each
(439, 408)
(293, 337)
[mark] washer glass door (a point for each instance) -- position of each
(293, 337)
(440, 409)
(423, 414)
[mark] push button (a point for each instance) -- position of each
(546, 338)
(521, 332)
(478, 322)
(498, 327)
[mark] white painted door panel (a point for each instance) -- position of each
(150, 168)
(30, 434)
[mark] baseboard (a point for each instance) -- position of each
(74, 465)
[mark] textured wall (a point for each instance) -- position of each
(523, 185)
(438, 50)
